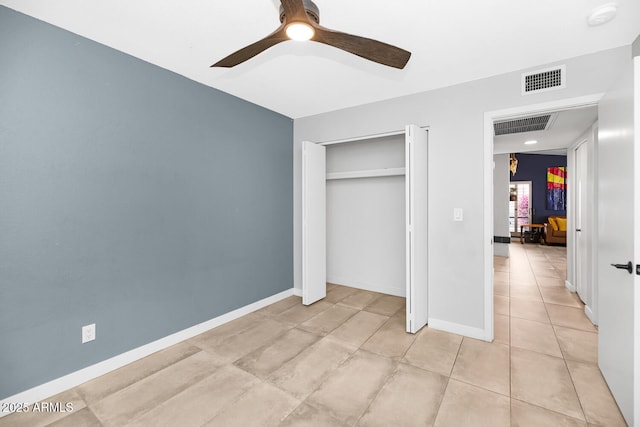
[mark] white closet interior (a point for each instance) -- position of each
(365, 218)
(365, 196)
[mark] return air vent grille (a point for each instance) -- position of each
(525, 124)
(544, 80)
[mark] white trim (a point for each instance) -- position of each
(364, 137)
(589, 313)
(570, 286)
(456, 328)
(488, 231)
(489, 118)
(501, 249)
(572, 236)
(81, 376)
(636, 237)
(572, 255)
(595, 174)
(297, 292)
(543, 107)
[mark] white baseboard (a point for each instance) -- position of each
(76, 378)
(398, 291)
(570, 287)
(589, 313)
(501, 249)
(459, 329)
(297, 292)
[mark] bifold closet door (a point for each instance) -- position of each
(314, 211)
(416, 182)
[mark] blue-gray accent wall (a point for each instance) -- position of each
(533, 167)
(130, 197)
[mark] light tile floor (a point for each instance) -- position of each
(347, 361)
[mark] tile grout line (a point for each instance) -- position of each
(393, 374)
(444, 392)
(351, 355)
(564, 360)
(395, 370)
(510, 367)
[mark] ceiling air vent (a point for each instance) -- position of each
(524, 124)
(544, 80)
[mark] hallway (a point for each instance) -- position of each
(553, 345)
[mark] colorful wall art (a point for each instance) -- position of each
(556, 189)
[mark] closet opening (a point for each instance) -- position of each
(365, 218)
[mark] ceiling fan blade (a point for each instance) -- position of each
(253, 49)
(294, 10)
(370, 49)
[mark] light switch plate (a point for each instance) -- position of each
(457, 214)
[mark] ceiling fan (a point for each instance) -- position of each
(300, 20)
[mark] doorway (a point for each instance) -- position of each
(371, 174)
(501, 115)
(520, 206)
(582, 217)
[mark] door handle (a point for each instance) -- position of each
(628, 266)
(578, 229)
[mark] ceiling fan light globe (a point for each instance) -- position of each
(299, 31)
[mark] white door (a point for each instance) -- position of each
(416, 151)
(314, 236)
(618, 221)
(583, 285)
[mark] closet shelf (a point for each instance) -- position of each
(371, 173)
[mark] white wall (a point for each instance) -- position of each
(501, 202)
(455, 116)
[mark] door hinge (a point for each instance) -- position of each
(638, 269)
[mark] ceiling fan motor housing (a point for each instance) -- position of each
(310, 7)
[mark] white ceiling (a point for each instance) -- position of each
(567, 127)
(452, 41)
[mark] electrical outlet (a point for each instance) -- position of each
(88, 333)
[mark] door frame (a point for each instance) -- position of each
(591, 310)
(489, 118)
(411, 326)
(575, 202)
(636, 324)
